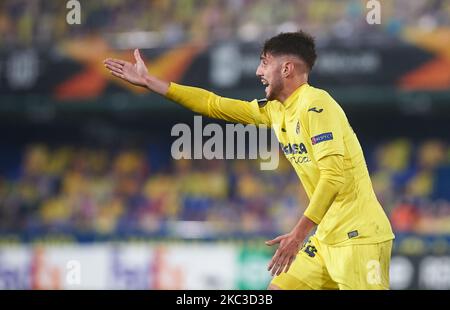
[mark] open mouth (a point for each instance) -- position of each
(265, 83)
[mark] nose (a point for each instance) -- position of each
(259, 71)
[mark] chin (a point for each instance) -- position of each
(272, 94)
(270, 97)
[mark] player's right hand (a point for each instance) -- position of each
(134, 73)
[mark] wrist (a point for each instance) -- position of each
(298, 234)
(303, 228)
(156, 85)
(148, 82)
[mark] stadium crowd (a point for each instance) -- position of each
(93, 190)
(42, 22)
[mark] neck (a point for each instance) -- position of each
(290, 88)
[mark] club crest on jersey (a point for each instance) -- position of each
(297, 129)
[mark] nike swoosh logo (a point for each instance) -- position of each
(315, 110)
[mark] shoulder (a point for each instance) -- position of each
(319, 106)
(317, 100)
(316, 95)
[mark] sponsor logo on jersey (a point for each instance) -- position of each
(299, 159)
(292, 149)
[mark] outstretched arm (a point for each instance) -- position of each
(196, 99)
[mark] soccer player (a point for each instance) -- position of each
(351, 247)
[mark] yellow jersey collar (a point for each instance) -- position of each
(295, 95)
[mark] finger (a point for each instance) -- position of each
(283, 265)
(137, 56)
(111, 70)
(115, 69)
(274, 241)
(288, 266)
(115, 61)
(114, 65)
(118, 74)
(279, 266)
(273, 260)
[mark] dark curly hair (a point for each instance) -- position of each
(298, 43)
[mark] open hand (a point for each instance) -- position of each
(134, 73)
(285, 254)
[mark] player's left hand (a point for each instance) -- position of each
(286, 252)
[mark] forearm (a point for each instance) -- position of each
(195, 99)
(330, 183)
(211, 105)
(324, 195)
(320, 202)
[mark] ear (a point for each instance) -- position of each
(287, 69)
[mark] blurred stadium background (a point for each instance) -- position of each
(86, 173)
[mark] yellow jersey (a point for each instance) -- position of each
(309, 125)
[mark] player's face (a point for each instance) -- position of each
(269, 71)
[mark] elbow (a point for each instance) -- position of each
(334, 181)
(339, 180)
(339, 184)
(332, 172)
